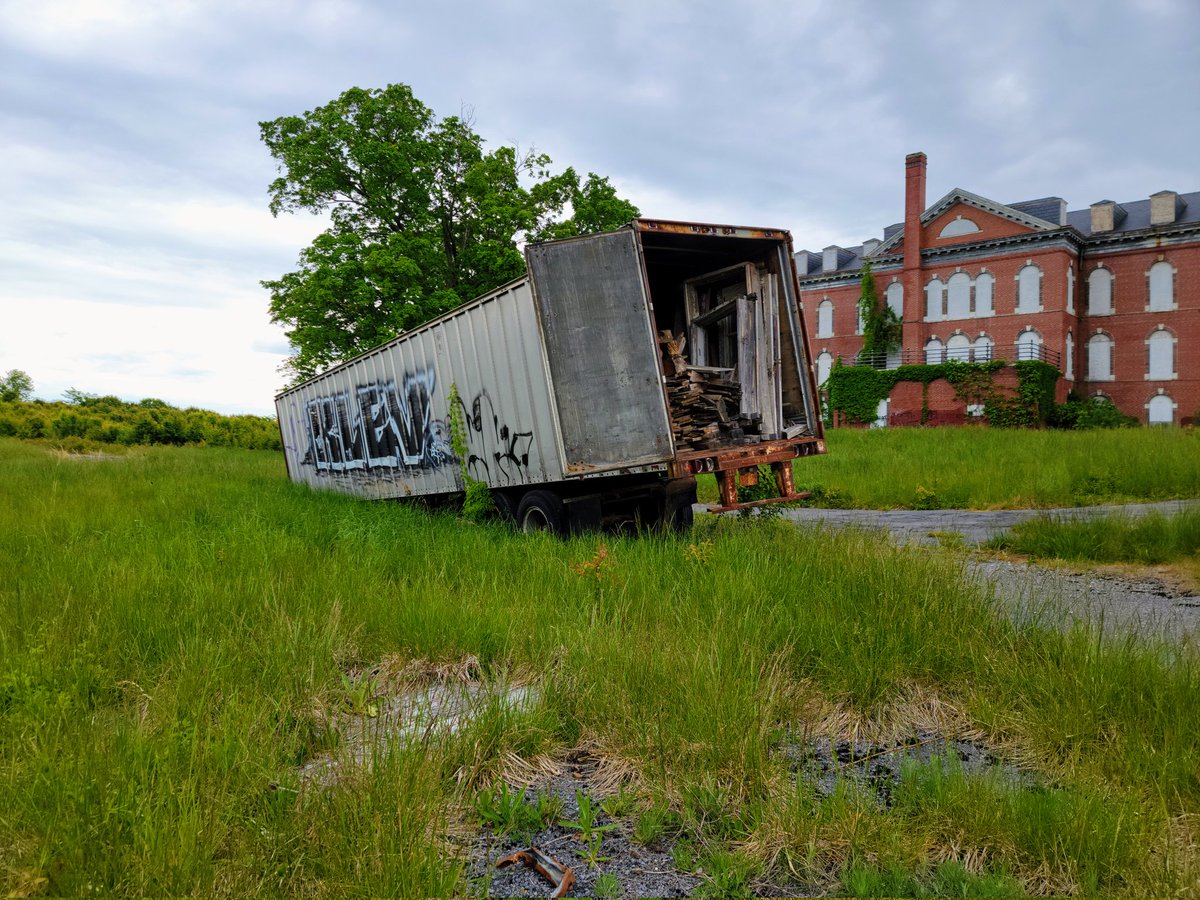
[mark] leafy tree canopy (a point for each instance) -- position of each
(16, 385)
(422, 218)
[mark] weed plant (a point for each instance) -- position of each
(175, 625)
(997, 468)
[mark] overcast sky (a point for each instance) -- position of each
(134, 228)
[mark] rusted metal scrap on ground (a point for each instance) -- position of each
(558, 875)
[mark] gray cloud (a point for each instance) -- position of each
(134, 176)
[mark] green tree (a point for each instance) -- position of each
(881, 326)
(422, 218)
(16, 385)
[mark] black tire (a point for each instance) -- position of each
(542, 511)
(506, 510)
(680, 517)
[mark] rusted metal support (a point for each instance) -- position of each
(783, 478)
(558, 875)
(727, 483)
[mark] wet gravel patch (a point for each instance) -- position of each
(875, 770)
(922, 526)
(1061, 597)
(641, 870)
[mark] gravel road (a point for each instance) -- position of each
(1146, 604)
(976, 526)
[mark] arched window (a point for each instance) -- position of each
(1160, 410)
(958, 296)
(1069, 357)
(859, 324)
(1100, 358)
(824, 367)
(895, 298)
(1070, 289)
(983, 348)
(1161, 344)
(825, 318)
(1029, 289)
(935, 352)
(1029, 345)
(958, 227)
(1162, 286)
(983, 293)
(959, 347)
(934, 307)
(1100, 292)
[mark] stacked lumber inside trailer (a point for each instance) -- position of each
(705, 402)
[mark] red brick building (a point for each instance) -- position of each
(1110, 295)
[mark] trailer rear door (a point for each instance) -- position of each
(602, 351)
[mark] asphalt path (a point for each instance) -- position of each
(975, 525)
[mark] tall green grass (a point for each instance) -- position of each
(174, 626)
(981, 468)
(1146, 539)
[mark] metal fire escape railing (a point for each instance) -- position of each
(933, 356)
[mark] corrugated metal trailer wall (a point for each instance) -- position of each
(378, 426)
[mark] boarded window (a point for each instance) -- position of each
(1070, 289)
(958, 294)
(895, 299)
(824, 367)
(1029, 345)
(1161, 411)
(958, 227)
(983, 294)
(1029, 289)
(983, 348)
(1162, 355)
(934, 301)
(1099, 352)
(825, 319)
(935, 352)
(1162, 286)
(1100, 292)
(1069, 357)
(959, 348)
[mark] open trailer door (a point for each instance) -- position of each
(602, 351)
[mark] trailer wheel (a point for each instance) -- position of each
(680, 517)
(506, 510)
(542, 511)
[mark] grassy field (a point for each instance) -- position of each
(979, 468)
(176, 626)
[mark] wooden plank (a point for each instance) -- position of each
(747, 352)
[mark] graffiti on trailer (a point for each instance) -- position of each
(378, 426)
(498, 451)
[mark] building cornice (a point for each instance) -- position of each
(1142, 239)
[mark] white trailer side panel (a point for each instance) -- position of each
(378, 426)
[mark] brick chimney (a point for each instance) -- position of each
(914, 205)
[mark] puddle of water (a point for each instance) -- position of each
(440, 709)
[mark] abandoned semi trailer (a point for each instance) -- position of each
(593, 390)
